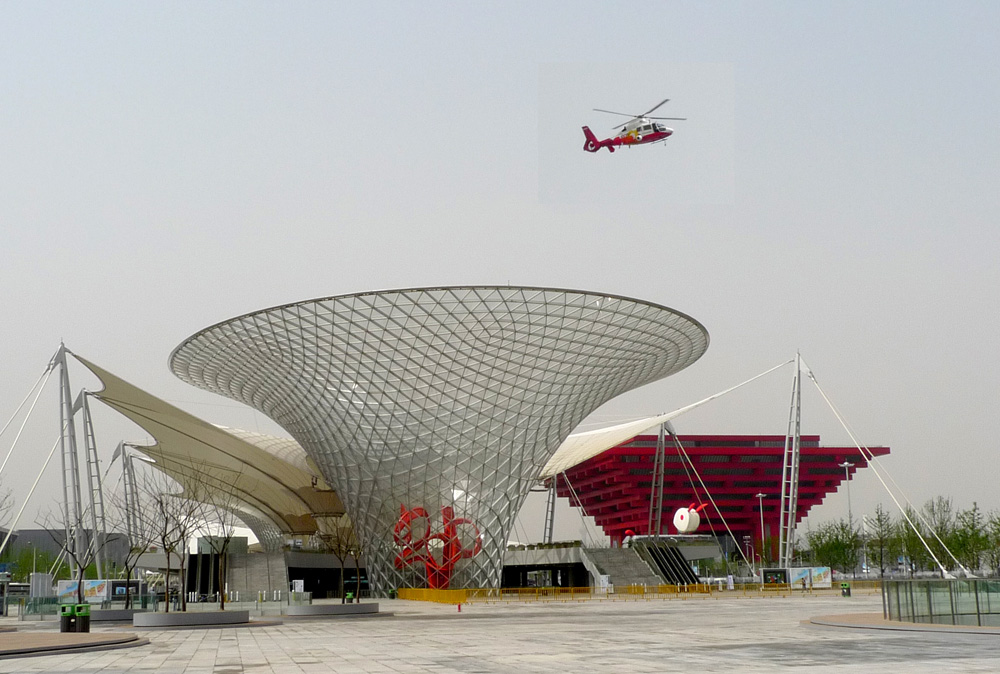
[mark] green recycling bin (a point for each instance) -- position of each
(845, 589)
(350, 597)
(82, 617)
(67, 618)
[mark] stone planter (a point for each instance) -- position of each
(112, 614)
(190, 619)
(331, 609)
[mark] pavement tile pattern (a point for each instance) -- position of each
(714, 634)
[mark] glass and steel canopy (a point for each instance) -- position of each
(433, 410)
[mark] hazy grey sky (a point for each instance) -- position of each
(164, 166)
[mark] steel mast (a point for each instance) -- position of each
(790, 472)
(656, 491)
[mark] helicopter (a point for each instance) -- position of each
(639, 130)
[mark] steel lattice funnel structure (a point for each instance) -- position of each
(433, 410)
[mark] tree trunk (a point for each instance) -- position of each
(222, 594)
(166, 585)
(343, 597)
(79, 583)
(184, 582)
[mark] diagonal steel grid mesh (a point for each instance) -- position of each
(438, 397)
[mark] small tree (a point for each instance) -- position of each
(939, 514)
(883, 540)
(218, 504)
(138, 523)
(338, 539)
(916, 555)
(82, 553)
(174, 518)
(835, 544)
(970, 539)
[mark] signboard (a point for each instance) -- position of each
(801, 578)
(94, 591)
(298, 586)
(822, 576)
(804, 577)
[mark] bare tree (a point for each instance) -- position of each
(218, 504)
(81, 556)
(337, 538)
(136, 517)
(6, 503)
(174, 518)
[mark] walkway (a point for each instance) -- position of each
(706, 634)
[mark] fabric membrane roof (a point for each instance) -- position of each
(271, 476)
(580, 447)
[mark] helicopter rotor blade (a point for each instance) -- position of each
(675, 118)
(645, 114)
(612, 112)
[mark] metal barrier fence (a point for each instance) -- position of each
(620, 593)
(944, 602)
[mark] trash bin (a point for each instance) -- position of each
(392, 593)
(82, 617)
(845, 589)
(350, 597)
(67, 618)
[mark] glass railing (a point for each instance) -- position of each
(40, 608)
(943, 602)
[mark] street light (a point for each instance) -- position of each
(749, 548)
(760, 500)
(847, 465)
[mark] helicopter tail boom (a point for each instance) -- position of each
(593, 145)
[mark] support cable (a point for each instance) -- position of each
(916, 511)
(45, 375)
(58, 563)
(583, 513)
(13, 526)
(878, 474)
(683, 452)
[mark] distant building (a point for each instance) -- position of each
(49, 541)
(614, 487)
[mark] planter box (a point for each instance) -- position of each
(107, 614)
(332, 609)
(190, 619)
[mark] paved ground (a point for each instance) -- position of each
(692, 635)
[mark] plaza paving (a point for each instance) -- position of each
(679, 635)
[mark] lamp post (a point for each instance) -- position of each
(760, 501)
(847, 465)
(749, 549)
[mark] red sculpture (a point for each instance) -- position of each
(414, 537)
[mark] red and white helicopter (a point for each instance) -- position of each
(639, 130)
